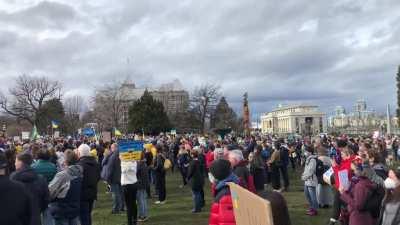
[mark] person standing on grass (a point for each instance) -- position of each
(257, 168)
(65, 192)
(324, 191)
(35, 184)
(43, 166)
(143, 184)
(196, 179)
(91, 176)
(129, 184)
(15, 204)
(310, 181)
(160, 175)
(111, 173)
(183, 164)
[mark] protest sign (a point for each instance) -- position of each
(250, 208)
(17, 138)
(344, 179)
(25, 135)
(130, 149)
(173, 132)
(56, 134)
(327, 176)
(106, 136)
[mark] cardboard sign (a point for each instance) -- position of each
(25, 135)
(106, 136)
(250, 208)
(130, 150)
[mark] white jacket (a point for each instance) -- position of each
(128, 172)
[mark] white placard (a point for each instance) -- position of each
(344, 179)
(25, 135)
(56, 134)
(327, 176)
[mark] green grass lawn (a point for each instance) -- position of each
(177, 210)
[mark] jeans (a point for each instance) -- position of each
(130, 192)
(311, 196)
(47, 218)
(66, 221)
(142, 203)
(117, 198)
(183, 171)
(86, 212)
(197, 201)
(160, 185)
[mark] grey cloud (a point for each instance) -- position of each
(351, 50)
(44, 15)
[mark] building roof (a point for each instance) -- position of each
(294, 106)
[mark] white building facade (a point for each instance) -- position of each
(296, 119)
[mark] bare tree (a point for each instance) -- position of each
(204, 100)
(73, 107)
(110, 105)
(28, 96)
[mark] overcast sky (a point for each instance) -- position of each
(326, 53)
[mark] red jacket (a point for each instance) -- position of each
(222, 211)
(344, 165)
(209, 158)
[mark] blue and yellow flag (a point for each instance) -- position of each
(54, 124)
(117, 132)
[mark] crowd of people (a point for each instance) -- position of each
(54, 181)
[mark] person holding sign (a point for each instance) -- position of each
(129, 184)
(340, 164)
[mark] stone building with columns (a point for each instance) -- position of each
(295, 119)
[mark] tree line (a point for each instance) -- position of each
(40, 100)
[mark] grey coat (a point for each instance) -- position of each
(309, 175)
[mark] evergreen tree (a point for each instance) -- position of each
(224, 117)
(149, 115)
(52, 109)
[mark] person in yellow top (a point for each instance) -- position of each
(93, 153)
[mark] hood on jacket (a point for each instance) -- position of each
(75, 171)
(223, 183)
(88, 160)
(25, 175)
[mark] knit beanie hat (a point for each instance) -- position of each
(220, 169)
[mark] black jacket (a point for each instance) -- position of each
(112, 168)
(37, 187)
(15, 204)
(159, 165)
(142, 176)
(91, 176)
(195, 176)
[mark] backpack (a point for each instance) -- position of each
(320, 169)
(374, 201)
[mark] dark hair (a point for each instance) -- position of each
(43, 154)
(25, 158)
(70, 157)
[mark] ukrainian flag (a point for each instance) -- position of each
(117, 132)
(54, 124)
